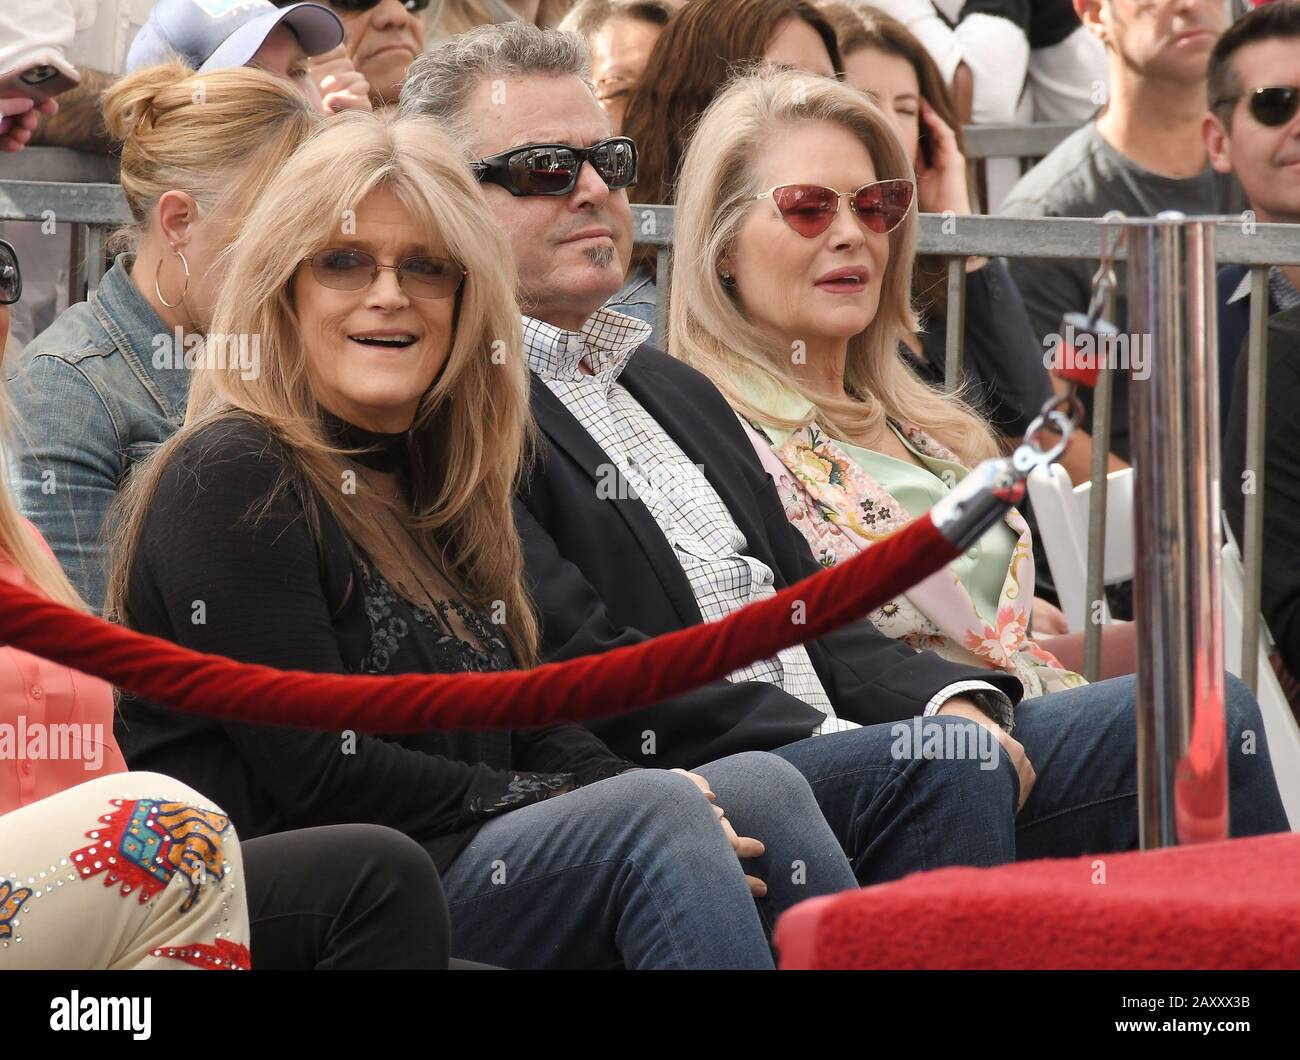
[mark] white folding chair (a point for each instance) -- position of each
(1061, 510)
(1279, 722)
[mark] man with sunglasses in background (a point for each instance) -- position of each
(1143, 154)
(646, 510)
(1253, 130)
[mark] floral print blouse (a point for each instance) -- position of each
(841, 508)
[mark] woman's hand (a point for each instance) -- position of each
(941, 185)
(744, 846)
(1047, 620)
(341, 85)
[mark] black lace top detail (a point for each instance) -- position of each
(392, 616)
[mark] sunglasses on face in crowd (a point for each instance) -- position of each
(11, 276)
(553, 169)
(347, 269)
(1272, 106)
(809, 209)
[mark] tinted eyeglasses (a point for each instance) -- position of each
(346, 269)
(11, 276)
(352, 6)
(552, 169)
(809, 209)
(1270, 106)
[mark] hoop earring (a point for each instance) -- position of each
(156, 290)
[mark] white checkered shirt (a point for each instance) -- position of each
(708, 544)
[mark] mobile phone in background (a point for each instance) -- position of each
(43, 77)
(924, 146)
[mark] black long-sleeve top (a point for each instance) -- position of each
(219, 570)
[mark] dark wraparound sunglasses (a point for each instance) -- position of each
(11, 276)
(352, 6)
(346, 269)
(552, 169)
(1269, 106)
(809, 209)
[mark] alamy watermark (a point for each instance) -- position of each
(928, 739)
(1091, 350)
(678, 484)
(220, 352)
(42, 742)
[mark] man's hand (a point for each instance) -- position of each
(341, 85)
(744, 846)
(19, 116)
(964, 708)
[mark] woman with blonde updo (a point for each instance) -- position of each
(109, 379)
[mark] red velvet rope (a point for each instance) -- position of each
(593, 686)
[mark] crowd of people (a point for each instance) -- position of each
(373, 386)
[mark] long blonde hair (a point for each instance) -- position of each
(218, 136)
(708, 327)
(17, 542)
(471, 426)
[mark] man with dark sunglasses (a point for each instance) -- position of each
(1252, 130)
(1142, 154)
(646, 510)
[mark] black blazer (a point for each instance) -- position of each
(603, 575)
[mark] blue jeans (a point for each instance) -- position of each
(635, 871)
(895, 815)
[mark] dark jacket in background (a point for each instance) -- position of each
(1280, 592)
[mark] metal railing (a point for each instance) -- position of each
(1014, 141)
(94, 208)
(90, 212)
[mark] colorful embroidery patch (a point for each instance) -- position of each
(11, 901)
(222, 955)
(145, 843)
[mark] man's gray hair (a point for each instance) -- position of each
(440, 82)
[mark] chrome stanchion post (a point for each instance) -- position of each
(1182, 733)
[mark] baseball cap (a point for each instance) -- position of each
(220, 34)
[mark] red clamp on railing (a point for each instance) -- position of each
(1084, 348)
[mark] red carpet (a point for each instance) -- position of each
(1234, 904)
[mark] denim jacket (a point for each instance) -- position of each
(91, 401)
